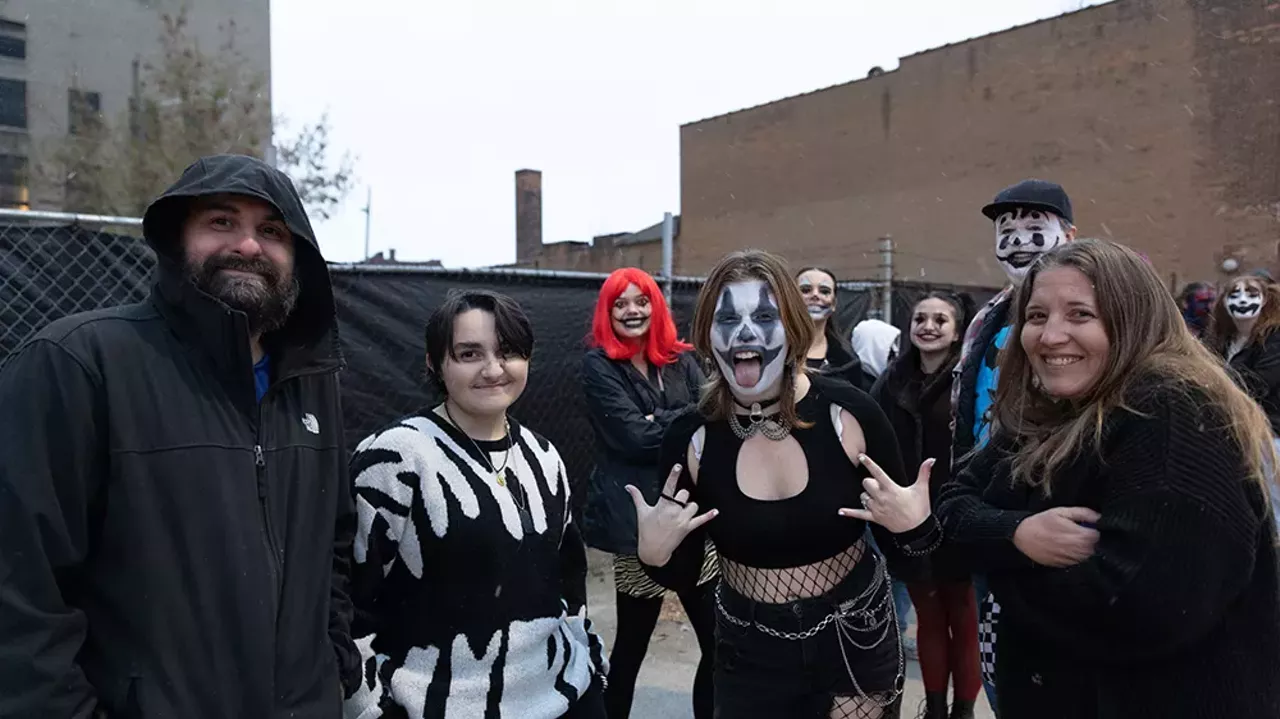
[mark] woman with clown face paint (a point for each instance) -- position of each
(781, 468)
(636, 378)
(1245, 321)
(829, 353)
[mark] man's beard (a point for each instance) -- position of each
(267, 301)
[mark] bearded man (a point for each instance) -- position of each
(174, 511)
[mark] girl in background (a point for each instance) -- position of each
(1245, 320)
(637, 377)
(829, 353)
(915, 392)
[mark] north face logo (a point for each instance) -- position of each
(311, 423)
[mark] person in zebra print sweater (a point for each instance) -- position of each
(469, 580)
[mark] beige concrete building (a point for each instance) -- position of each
(59, 58)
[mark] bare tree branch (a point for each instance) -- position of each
(188, 103)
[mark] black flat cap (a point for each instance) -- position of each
(1038, 194)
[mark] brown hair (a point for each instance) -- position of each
(743, 266)
(1147, 338)
(1223, 328)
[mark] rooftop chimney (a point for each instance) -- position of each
(528, 214)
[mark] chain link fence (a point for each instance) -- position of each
(53, 265)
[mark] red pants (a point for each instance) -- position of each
(947, 637)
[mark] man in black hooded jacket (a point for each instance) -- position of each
(174, 510)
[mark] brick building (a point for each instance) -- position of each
(603, 253)
(1159, 116)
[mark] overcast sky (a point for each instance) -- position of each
(442, 102)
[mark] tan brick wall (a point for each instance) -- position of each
(1158, 116)
(603, 257)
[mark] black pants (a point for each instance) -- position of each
(589, 706)
(636, 621)
(758, 676)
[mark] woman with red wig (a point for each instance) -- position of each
(637, 377)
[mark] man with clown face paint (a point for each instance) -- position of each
(1029, 219)
(805, 623)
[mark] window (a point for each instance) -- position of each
(13, 40)
(84, 110)
(13, 181)
(13, 103)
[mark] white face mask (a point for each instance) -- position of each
(819, 294)
(749, 341)
(1022, 235)
(1245, 302)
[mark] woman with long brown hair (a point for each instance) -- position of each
(1119, 510)
(805, 626)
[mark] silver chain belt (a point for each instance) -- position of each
(873, 617)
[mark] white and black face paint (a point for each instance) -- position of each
(749, 341)
(819, 292)
(1244, 301)
(1022, 235)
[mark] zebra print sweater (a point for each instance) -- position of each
(470, 594)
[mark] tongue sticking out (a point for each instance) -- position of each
(746, 372)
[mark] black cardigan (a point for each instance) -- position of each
(1257, 368)
(1177, 613)
(627, 445)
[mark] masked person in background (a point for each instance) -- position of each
(1196, 302)
(175, 518)
(1245, 321)
(805, 627)
(637, 378)
(1030, 218)
(470, 582)
(829, 353)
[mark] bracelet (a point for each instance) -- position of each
(935, 533)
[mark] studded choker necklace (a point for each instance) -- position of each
(772, 428)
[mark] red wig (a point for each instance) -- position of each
(661, 346)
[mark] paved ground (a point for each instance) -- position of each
(663, 690)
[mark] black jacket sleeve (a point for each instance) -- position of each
(53, 456)
(340, 606)
(1179, 530)
(1262, 376)
(684, 568)
(977, 532)
(619, 423)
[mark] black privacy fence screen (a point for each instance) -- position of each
(49, 270)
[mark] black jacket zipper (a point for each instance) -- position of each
(268, 536)
(272, 545)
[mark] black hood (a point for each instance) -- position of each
(314, 318)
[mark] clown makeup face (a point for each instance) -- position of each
(819, 292)
(749, 340)
(1244, 302)
(630, 313)
(1023, 234)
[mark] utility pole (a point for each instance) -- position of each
(668, 248)
(886, 277)
(368, 214)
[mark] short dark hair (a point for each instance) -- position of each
(515, 334)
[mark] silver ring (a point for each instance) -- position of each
(866, 499)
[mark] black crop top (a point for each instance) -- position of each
(798, 530)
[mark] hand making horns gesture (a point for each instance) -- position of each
(664, 525)
(896, 508)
